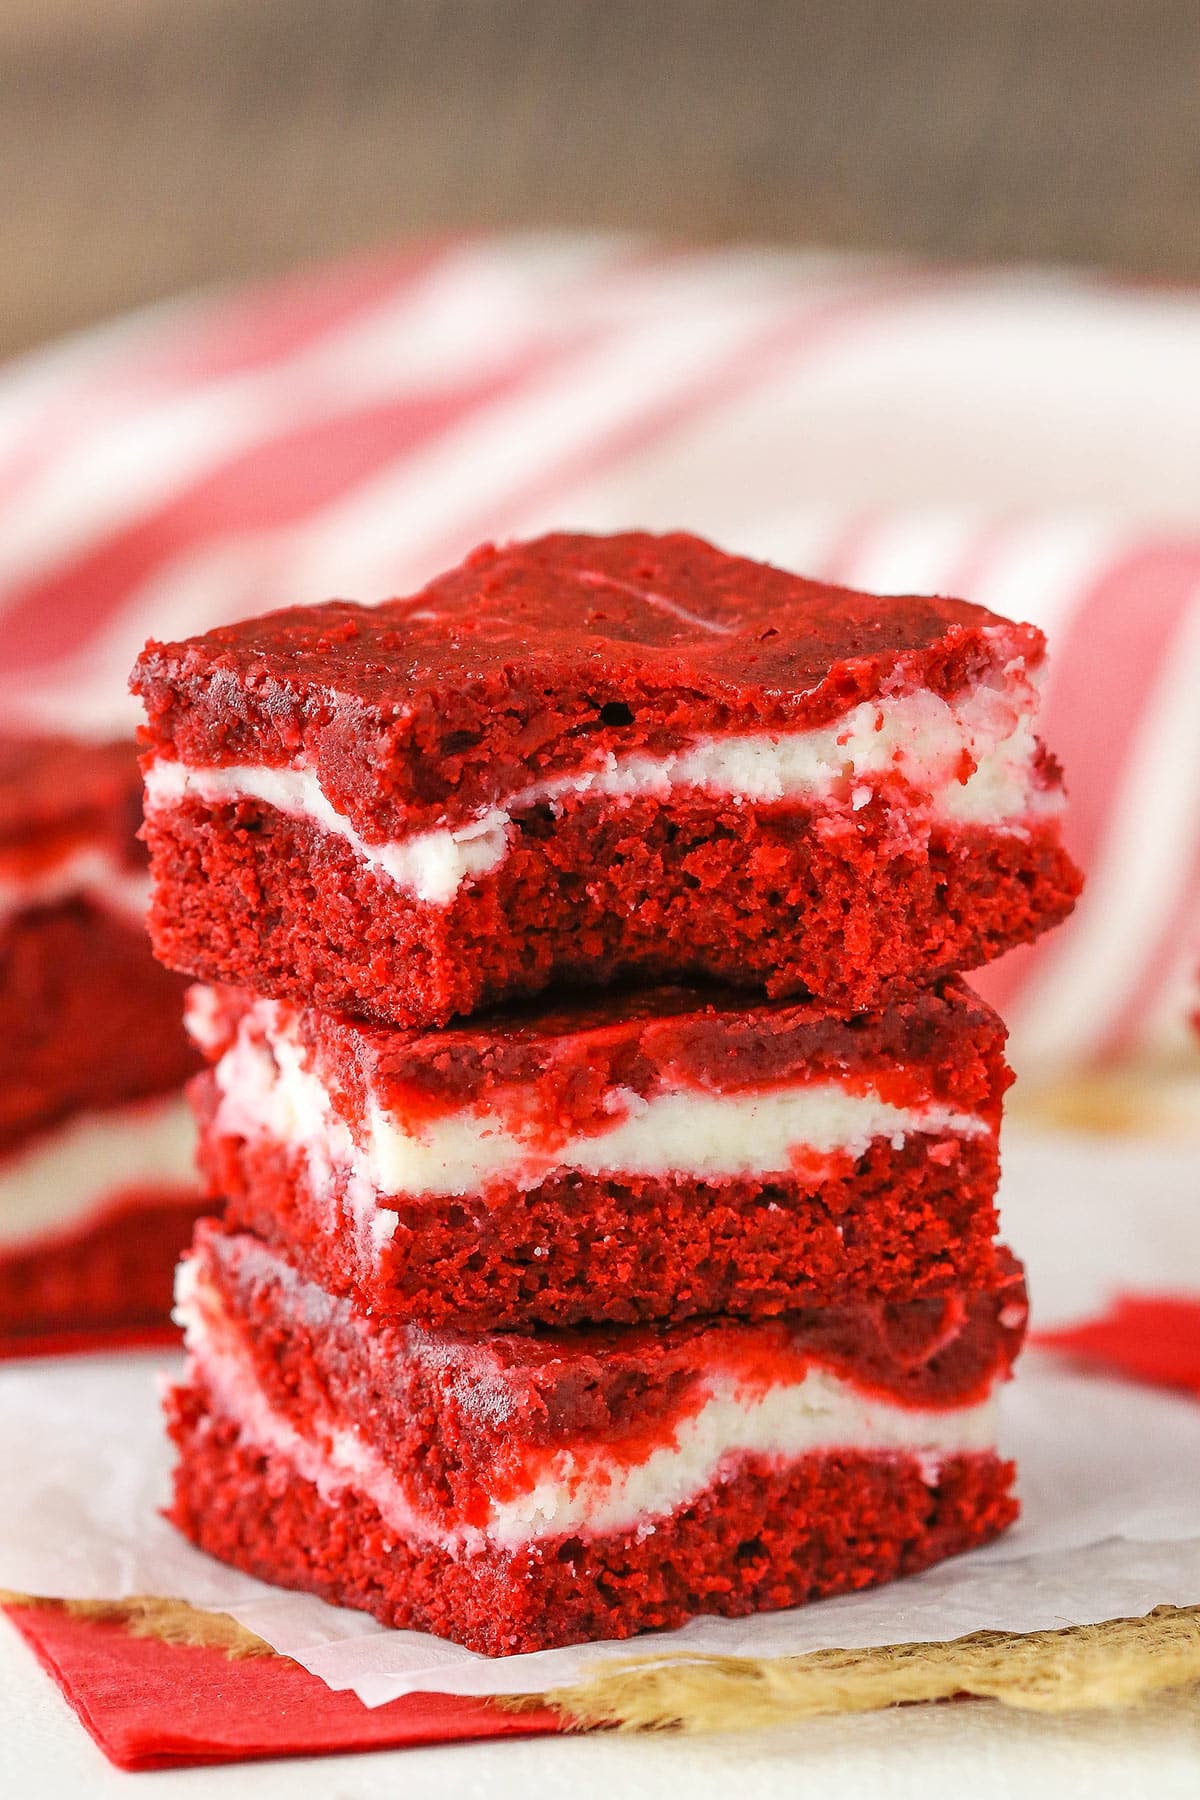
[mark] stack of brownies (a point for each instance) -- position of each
(98, 1195)
(676, 1289)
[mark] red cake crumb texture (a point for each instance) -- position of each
(545, 1242)
(90, 1025)
(438, 1433)
(559, 664)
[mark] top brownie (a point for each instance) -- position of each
(542, 658)
(584, 758)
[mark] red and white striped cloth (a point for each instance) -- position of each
(1030, 441)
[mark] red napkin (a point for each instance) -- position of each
(1145, 1337)
(151, 1705)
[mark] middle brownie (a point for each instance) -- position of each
(654, 1156)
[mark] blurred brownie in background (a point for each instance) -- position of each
(97, 1195)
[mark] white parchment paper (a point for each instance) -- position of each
(1110, 1477)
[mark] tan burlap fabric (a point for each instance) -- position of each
(1119, 1663)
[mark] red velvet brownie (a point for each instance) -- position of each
(518, 1492)
(645, 1156)
(583, 758)
(87, 1017)
(97, 1196)
(95, 1212)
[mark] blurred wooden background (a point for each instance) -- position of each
(149, 145)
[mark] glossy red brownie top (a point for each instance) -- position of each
(943, 1351)
(538, 658)
(497, 1394)
(941, 1043)
(55, 791)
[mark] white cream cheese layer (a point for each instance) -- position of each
(580, 1489)
(917, 736)
(83, 874)
(274, 1092)
(64, 1175)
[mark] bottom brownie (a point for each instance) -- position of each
(514, 1493)
(760, 1539)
